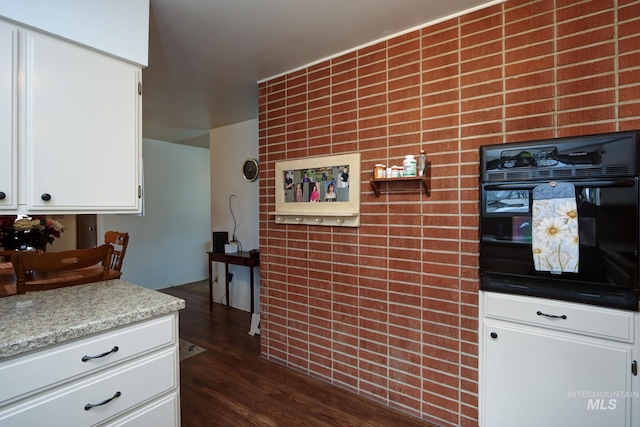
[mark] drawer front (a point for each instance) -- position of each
(50, 366)
(559, 315)
(165, 412)
(134, 382)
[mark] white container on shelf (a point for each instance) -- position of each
(409, 165)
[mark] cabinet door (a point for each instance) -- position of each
(94, 399)
(82, 129)
(8, 119)
(531, 377)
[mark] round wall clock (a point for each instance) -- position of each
(250, 169)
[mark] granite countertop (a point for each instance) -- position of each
(40, 319)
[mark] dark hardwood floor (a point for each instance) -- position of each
(231, 385)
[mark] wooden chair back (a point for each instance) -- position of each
(5, 256)
(119, 241)
(39, 271)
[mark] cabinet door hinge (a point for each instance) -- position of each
(634, 368)
(139, 88)
(139, 191)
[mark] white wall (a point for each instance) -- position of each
(230, 147)
(167, 246)
(118, 27)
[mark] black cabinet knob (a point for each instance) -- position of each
(494, 335)
(46, 197)
(2, 195)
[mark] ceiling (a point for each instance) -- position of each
(206, 57)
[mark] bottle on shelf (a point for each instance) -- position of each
(423, 162)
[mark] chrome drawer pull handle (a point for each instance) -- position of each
(553, 316)
(113, 350)
(93, 405)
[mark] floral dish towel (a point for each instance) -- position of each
(554, 232)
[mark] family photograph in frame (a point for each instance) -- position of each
(325, 188)
(323, 184)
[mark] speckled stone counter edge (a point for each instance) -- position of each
(40, 319)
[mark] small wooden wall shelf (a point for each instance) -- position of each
(375, 182)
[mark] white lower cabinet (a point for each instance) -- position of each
(550, 363)
(135, 385)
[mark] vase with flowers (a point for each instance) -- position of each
(28, 233)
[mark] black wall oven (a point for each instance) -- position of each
(604, 172)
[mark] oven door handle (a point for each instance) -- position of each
(600, 183)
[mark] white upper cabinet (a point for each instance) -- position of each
(71, 134)
(82, 129)
(8, 119)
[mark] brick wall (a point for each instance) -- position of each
(389, 310)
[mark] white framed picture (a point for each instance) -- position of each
(319, 190)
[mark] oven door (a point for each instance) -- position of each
(608, 244)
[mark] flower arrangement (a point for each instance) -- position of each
(25, 232)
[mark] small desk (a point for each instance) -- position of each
(239, 258)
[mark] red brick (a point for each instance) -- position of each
(577, 100)
(529, 25)
(587, 14)
(586, 54)
(629, 44)
(594, 37)
(629, 61)
(586, 116)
